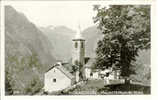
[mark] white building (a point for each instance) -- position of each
(89, 73)
(57, 78)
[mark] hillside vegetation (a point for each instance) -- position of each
(61, 39)
(28, 54)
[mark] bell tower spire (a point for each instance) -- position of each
(78, 34)
(78, 51)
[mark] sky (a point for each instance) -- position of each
(70, 14)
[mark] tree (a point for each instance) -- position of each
(126, 30)
(8, 87)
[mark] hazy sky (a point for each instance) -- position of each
(56, 13)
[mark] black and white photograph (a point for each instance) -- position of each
(75, 49)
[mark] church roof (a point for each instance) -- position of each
(65, 71)
(90, 62)
(70, 67)
(62, 69)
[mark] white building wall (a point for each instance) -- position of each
(95, 75)
(87, 72)
(62, 81)
(77, 76)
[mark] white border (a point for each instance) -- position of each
(154, 62)
(2, 48)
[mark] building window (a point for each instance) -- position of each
(54, 80)
(82, 44)
(76, 44)
(91, 74)
(107, 74)
(76, 62)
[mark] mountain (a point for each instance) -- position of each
(28, 54)
(92, 36)
(144, 57)
(61, 37)
(143, 67)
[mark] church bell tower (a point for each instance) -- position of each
(78, 52)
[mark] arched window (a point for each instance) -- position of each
(76, 44)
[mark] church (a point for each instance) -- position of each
(63, 75)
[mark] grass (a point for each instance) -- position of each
(97, 87)
(124, 89)
(87, 88)
(94, 83)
